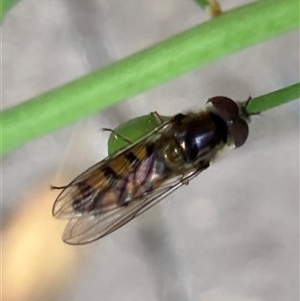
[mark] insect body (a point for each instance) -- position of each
(122, 186)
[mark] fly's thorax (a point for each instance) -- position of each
(172, 154)
(194, 138)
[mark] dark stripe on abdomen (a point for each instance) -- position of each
(132, 158)
(109, 173)
(149, 149)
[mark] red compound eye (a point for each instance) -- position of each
(226, 108)
(239, 132)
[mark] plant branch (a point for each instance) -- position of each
(274, 99)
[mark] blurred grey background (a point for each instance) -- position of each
(231, 235)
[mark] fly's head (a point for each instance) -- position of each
(234, 115)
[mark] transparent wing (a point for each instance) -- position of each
(63, 207)
(88, 228)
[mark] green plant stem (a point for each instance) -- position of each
(274, 99)
(200, 45)
(5, 6)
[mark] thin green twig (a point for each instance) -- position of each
(274, 99)
(200, 45)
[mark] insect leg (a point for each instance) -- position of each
(117, 134)
(58, 187)
(157, 117)
(248, 100)
(185, 180)
(244, 108)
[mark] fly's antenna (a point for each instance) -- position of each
(243, 109)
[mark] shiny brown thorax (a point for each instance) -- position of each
(193, 140)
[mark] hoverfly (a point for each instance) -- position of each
(127, 183)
